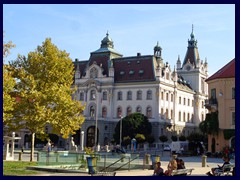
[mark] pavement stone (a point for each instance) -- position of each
(190, 162)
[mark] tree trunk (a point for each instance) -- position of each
(32, 148)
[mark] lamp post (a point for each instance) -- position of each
(96, 116)
(121, 131)
(82, 139)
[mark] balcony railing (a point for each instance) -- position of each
(211, 103)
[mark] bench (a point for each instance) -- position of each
(104, 174)
(226, 170)
(182, 172)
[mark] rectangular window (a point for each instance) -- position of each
(213, 93)
(233, 93)
(171, 97)
(81, 96)
(233, 118)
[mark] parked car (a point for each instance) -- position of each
(167, 147)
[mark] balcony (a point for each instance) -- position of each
(211, 104)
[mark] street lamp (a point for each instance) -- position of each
(121, 131)
(96, 134)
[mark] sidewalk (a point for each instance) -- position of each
(198, 170)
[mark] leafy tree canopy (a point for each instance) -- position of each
(44, 86)
(135, 123)
(8, 85)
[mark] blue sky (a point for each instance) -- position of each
(79, 29)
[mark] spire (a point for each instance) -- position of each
(192, 55)
(178, 62)
(157, 50)
(107, 42)
(192, 34)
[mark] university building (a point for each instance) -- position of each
(112, 86)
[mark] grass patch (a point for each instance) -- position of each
(18, 168)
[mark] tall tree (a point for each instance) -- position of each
(8, 85)
(44, 86)
(133, 124)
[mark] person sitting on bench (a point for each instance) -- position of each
(216, 170)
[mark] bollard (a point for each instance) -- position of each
(157, 158)
(204, 159)
(147, 158)
(122, 156)
(20, 156)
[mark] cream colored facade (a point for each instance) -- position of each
(225, 96)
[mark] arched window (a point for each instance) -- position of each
(104, 112)
(92, 111)
(149, 95)
(139, 95)
(179, 116)
(167, 114)
(166, 96)
(179, 100)
(129, 95)
(184, 117)
(171, 97)
(188, 117)
(92, 95)
(119, 96)
(139, 109)
(119, 112)
(149, 112)
(129, 111)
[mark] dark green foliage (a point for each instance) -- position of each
(228, 133)
(53, 139)
(135, 123)
(197, 137)
(163, 138)
(210, 125)
(182, 138)
(150, 139)
(174, 138)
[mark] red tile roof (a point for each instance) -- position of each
(133, 69)
(228, 71)
(101, 60)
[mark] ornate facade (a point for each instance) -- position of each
(113, 86)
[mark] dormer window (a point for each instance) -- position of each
(131, 72)
(122, 72)
(141, 71)
(188, 68)
(93, 73)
